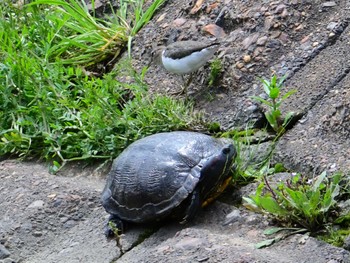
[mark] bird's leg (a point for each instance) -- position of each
(185, 85)
(188, 83)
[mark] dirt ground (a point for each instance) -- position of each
(46, 218)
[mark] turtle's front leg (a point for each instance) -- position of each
(193, 207)
(114, 227)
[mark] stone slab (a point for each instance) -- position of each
(321, 140)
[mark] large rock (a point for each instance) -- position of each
(321, 139)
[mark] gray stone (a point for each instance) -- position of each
(250, 40)
(232, 217)
(189, 243)
(261, 41)
(280, 8)
(346, 244)
(322, 140)
(37, 204)
(4, 253)
(69, 224)
(329, 4)
(332, 25)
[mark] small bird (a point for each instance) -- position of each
(186, 57)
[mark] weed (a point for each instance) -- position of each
(307, 203)
(335, 237)
(253, 158)
(215, 70)
(272, 231)
(273, 115)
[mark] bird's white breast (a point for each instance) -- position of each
(189, 63)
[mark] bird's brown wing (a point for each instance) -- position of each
(182, 49)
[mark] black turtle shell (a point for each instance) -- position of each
(155, 174)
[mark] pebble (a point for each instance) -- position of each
(4, 253)
(37, 204)
(329, 4)
(69, 224)
(247, 58)
(280, 8)
(261, 41)
(284, 13)
(231, 217)
(239, 65)
(179, 22)
(299, 28)
(284, 37)
(305, 39)
(253, 219)
(273, 43)
(276, 34)
(248, 41)
(332, 25)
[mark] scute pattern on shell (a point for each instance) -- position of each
(155, 174)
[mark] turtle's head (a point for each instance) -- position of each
(216, 171)
(226, 158)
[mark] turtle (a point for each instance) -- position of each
(168, 174)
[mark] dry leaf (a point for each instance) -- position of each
(161, 17)
(196, 7)
(214, 30)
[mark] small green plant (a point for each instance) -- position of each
(273, 114)
(335, 236)
(310, 204)
(215, 70)
(117, 235)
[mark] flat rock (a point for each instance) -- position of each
(4, 253)
(207, 240)
(320, 140)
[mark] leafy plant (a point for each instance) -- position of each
(273, 115)
(307, 203)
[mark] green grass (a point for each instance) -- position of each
(81, 38)
(60, 111)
